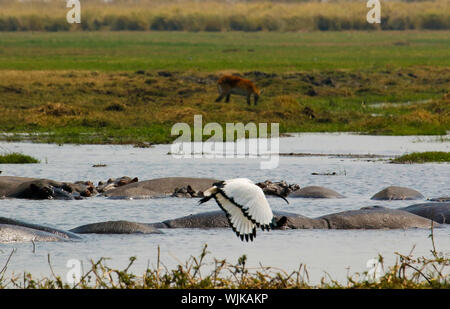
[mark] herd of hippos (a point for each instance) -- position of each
(433, 212)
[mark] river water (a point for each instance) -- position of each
(333, 253)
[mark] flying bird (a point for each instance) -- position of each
(244, 204)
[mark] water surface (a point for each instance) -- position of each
(332, 251)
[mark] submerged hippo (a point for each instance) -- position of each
(438, 212)
(397, 193)
(159, 187)
(277, 188)
(375, 217)
(365, 218)
(14, 233)
(33, 188)
(440, 199)
(9, 183)
(116, 227)
(16, 230)
(217, 219)
(114, 183)
(316, 192)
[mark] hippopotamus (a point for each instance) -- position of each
(116, 227)
(159, 187)
(212, 219)
(438, 212)
(217, 219)
(364, 218)
(315, 192)
(186, 192)
(114, 183)
(440, 199)
(9, 183)
(373, 217)
(280, 188)
(15, 233)
(16, 230)
(397, 193)
(33, 188)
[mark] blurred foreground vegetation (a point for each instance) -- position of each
(408, 272)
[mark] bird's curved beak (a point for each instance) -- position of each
(282, 197)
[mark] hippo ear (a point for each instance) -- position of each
(34, 187)
(282, 221)
(135, 179)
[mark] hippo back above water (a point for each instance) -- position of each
(397, 193)
(159, 187)
(438, 212)
(12, 230)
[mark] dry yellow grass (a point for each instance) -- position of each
(215, 15)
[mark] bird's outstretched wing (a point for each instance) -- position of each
(244, 204)
(241, 225)
(250, 199)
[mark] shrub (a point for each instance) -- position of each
(435, 22)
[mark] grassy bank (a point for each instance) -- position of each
(424, 157)
(124, 88)
(408, 272)
(124, 108)
(215, 15)
(212, 52)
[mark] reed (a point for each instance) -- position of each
(408, 272)
(215, 15)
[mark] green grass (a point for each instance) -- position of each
(106, 87)
(424, 157)
(17, 158)
(209, 52)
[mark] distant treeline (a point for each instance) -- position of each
(212, 15)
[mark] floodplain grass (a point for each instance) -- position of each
(131, 87)
(423, 157)
(89, 107)
(212, 52)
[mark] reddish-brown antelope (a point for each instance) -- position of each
(230, 84)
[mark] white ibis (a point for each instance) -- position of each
(244, 204)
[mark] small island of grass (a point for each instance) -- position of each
(423, 157)
(16, 158)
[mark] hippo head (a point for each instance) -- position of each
(41, 191)
(282, 223)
